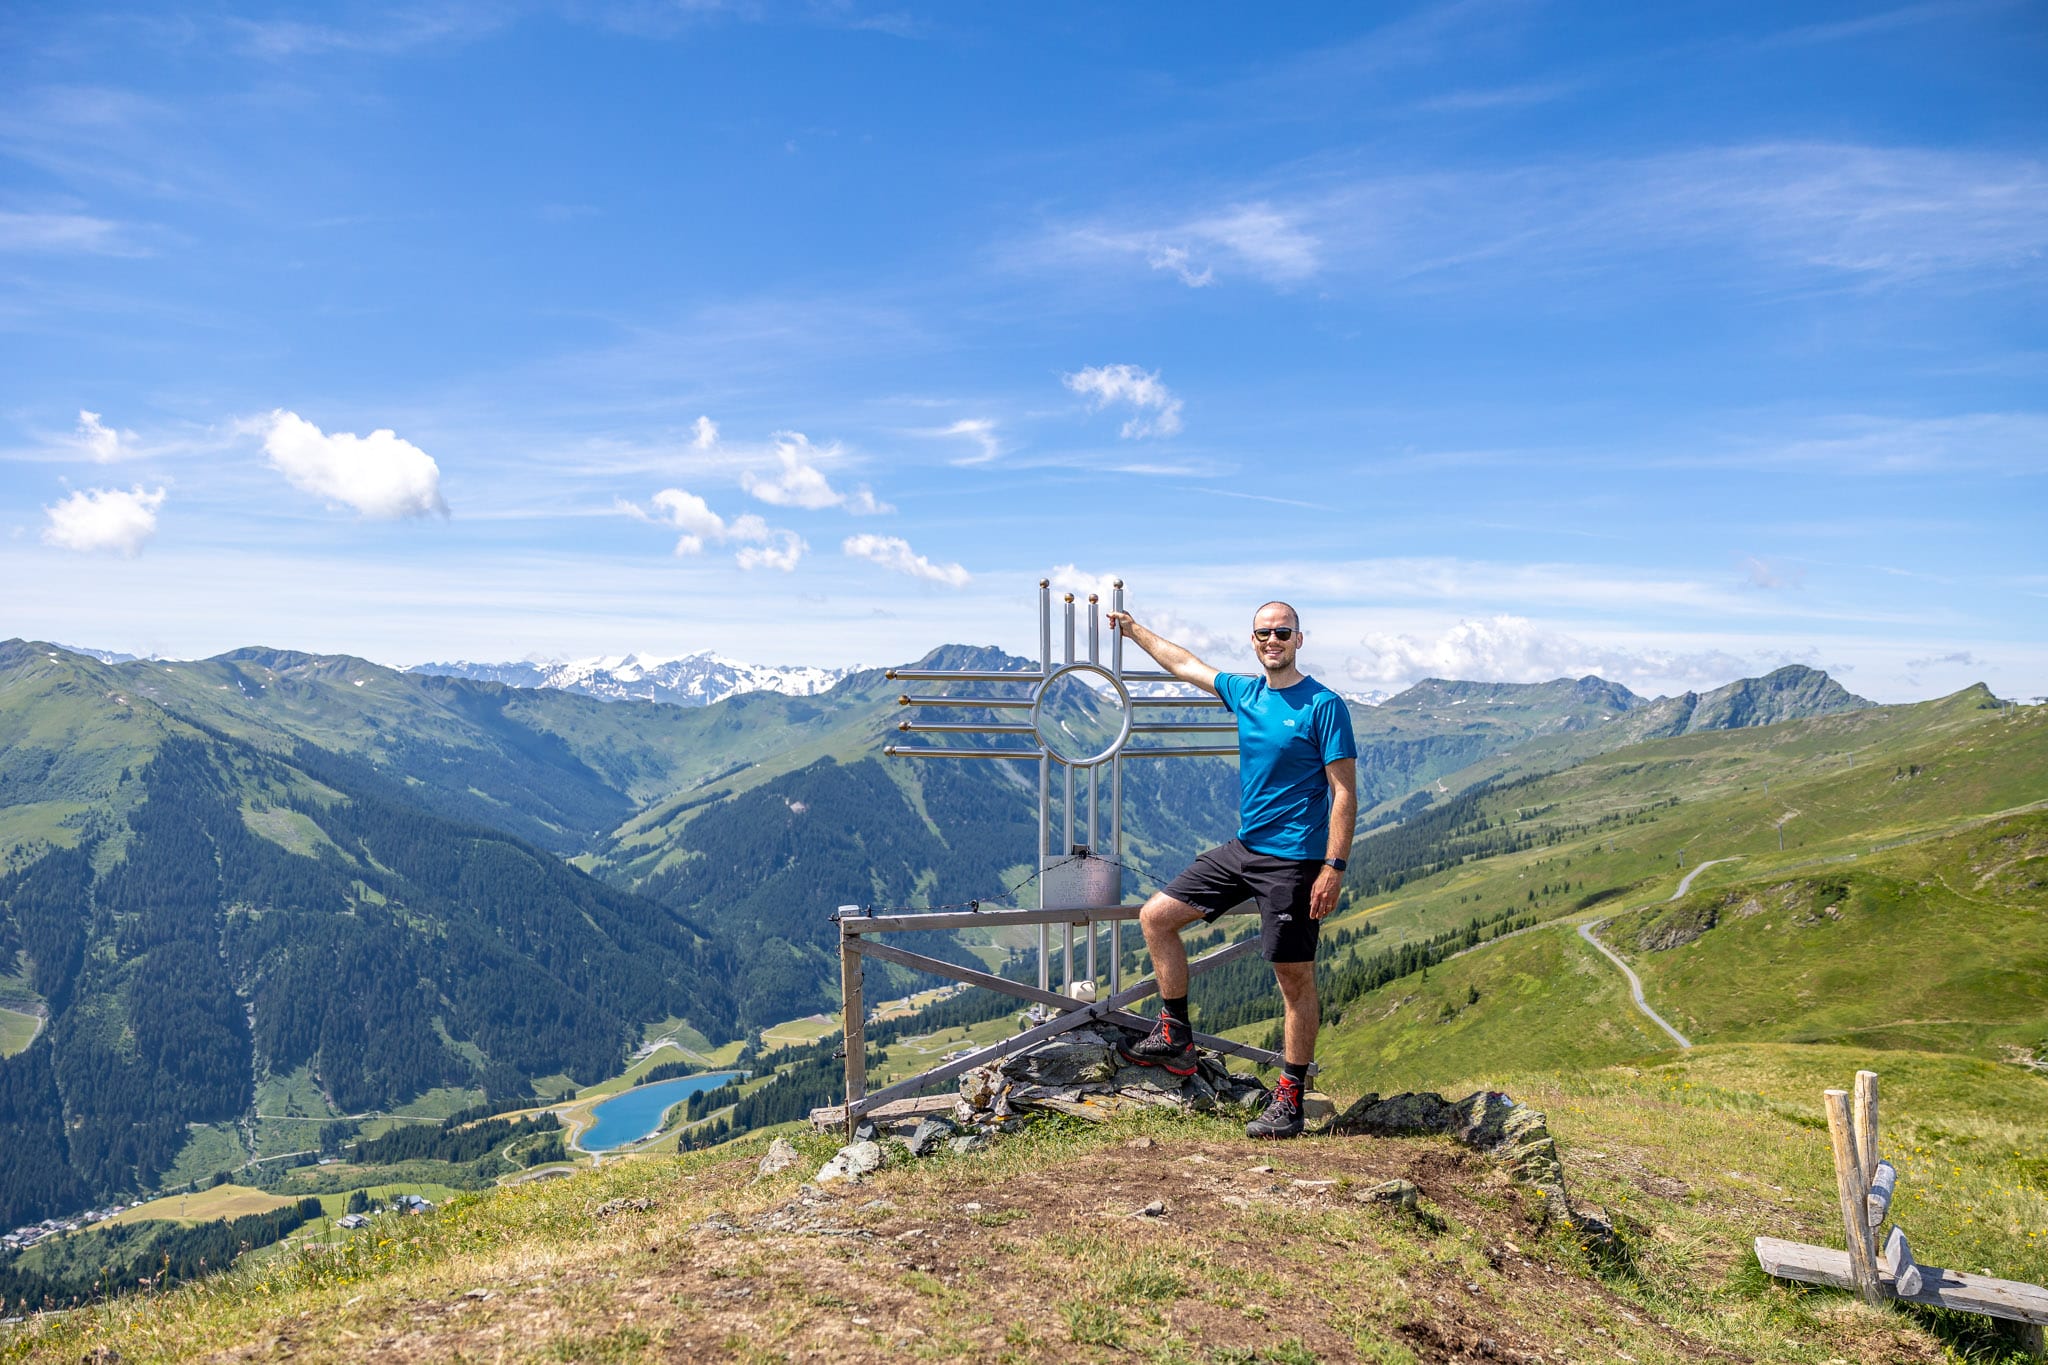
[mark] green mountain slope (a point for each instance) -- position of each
(1563, 723)
(218, 914)
(1908, 909)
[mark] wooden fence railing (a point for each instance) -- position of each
(1880, 1270)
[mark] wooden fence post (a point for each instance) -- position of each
(1852, 1187)
(1865, 1115)
(853, 1023)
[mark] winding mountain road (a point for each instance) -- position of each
(1635, 983)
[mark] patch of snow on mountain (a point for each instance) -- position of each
(105, 656)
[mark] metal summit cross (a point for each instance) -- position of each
(1079, 716)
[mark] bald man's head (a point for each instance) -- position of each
(1293, 616)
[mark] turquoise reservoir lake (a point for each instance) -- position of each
(633, 1114)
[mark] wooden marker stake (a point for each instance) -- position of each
(1865, 1115)
(1852, 1188)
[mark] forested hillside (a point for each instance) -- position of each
(252, 917)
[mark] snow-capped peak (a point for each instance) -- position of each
(682, 680)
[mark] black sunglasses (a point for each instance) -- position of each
(1282, 633)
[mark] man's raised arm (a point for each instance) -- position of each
(1165, 653)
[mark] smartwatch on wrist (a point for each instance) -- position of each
(1337, 863)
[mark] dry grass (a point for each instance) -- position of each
(1034, 1251)
(222, 1201)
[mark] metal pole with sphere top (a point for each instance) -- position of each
(1078, 715)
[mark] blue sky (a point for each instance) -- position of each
(1508, 340)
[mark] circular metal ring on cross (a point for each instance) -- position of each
(1123, 697)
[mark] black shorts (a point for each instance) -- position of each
(1225, 878)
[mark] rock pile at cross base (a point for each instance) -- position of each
(1080, 1074)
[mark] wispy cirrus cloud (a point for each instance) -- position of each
(68, 234)
(388, 32)
(102, 442)
(1117, 385)
(1853, 213)
(799, 482)
(1251, 238)
(1496, 97)
(894, 552)
(981, 431)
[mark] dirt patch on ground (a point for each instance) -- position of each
(1258, 1251)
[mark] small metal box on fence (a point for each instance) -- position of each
(1882, 1269)
(1077, 718)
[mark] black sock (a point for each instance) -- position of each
(1175, 1009)
(1297, 1072)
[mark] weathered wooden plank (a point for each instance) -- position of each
(992, 917)
(853, 1017)
(1878, 1202)
(916, 1107)
(2011, 1300)
(1866, 1123)
(1851, 1186)
(1897, 1262)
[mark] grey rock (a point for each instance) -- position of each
(1155, 1209)
(968, 1142)
(1403, 1115)
(781, 1156)
(865, 1131)
(613, 1207)
(928, 1135)
(1480, 1119)
(854, 1161)
(1082, 1057)
(978, 1087)
(1398, 1194)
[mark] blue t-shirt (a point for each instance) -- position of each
(1285, 737)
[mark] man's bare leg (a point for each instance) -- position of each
(1162, 919)
(1304, 1011)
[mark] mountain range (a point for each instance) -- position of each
(270, 868)
(692, 680)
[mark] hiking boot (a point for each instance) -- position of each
(1282, 1118)
(1170, 1044)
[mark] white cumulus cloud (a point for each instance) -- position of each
(379, 475)
(798, 482)
(1158, 406)
(103, 442)
(761, 545)
(894, 552)
(104, 519)
(704, 433)
(781, 550)
(1516, 649)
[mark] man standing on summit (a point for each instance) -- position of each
(1297, 807)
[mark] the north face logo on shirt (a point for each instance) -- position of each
(1288, 723)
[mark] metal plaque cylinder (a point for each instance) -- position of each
(1080, 882)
